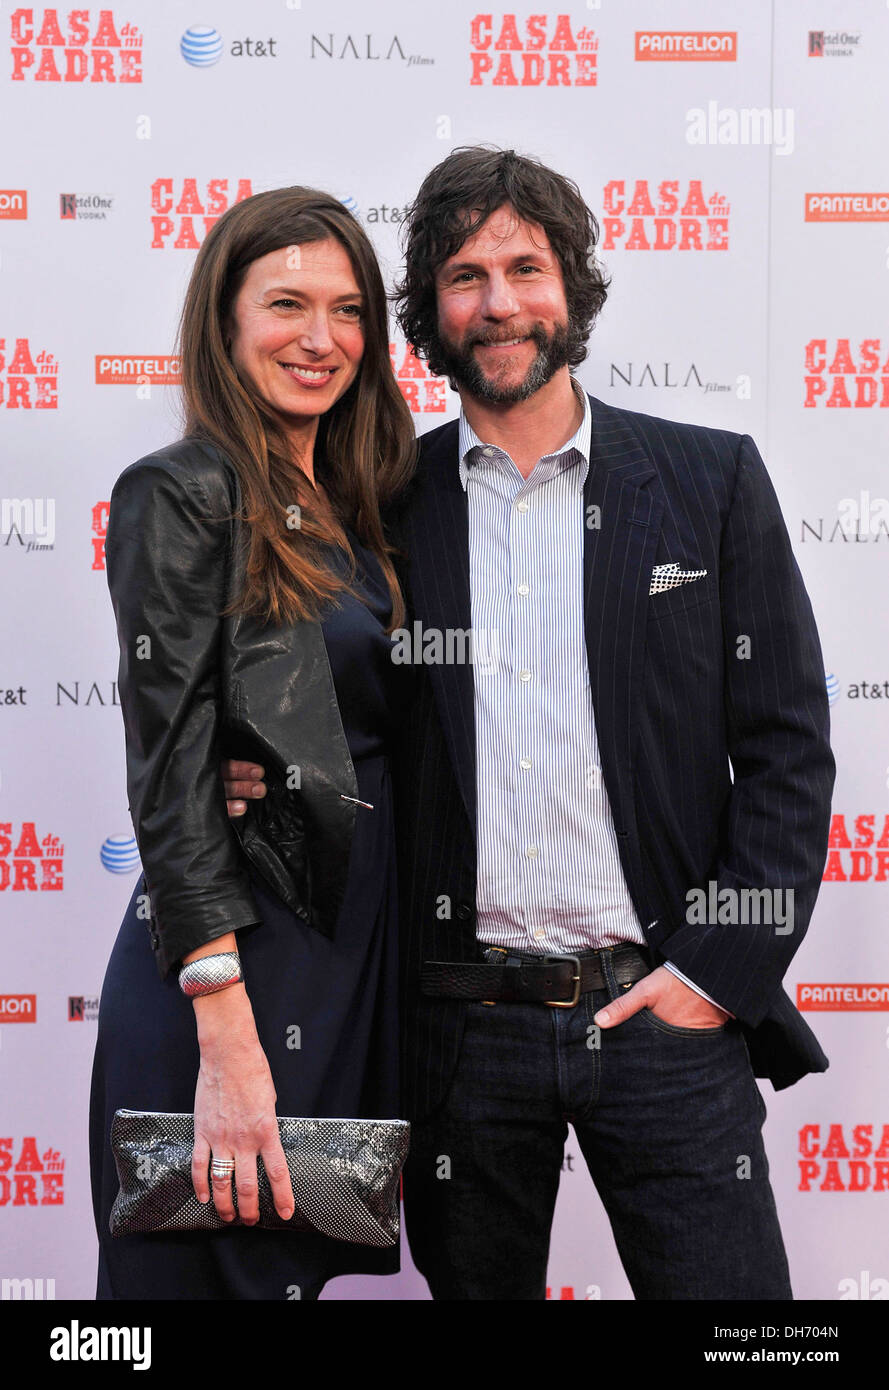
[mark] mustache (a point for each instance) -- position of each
(487, 338)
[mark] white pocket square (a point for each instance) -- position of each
(670, 576)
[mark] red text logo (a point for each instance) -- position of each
(675, 220)
(27, 864)
(86, 50)
(542, 52)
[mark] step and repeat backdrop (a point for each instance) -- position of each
(735, 157)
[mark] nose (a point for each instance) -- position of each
(499, 300)
(314, 333)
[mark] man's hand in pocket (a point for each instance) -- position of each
(668, 997)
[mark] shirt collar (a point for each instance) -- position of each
(469, 440)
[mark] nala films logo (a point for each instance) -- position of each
(673, 376)
(366, 48)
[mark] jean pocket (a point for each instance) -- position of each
(663, 1026)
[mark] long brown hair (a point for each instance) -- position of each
(365, 442)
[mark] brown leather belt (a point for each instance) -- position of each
(516, 977)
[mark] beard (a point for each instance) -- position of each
(460, 366)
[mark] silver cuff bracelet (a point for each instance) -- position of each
(208, 974)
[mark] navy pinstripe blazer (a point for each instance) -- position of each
(675, 699)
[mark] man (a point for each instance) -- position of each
(613, 821)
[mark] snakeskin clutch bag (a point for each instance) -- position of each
(344, 1175)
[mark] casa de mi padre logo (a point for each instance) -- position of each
(844, 376)
(671, 215)
(536, 50)
(75, 45)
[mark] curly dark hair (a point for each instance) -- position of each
(456, 198)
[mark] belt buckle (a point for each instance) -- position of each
(575, 998)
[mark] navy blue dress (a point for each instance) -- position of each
(341, 995)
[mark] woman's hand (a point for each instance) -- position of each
(241, 780)
(234, 1109)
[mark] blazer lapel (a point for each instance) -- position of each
(623, 521)
(439, 591)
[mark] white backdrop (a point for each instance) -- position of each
(735, 155)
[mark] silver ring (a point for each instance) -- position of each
(222, 1167)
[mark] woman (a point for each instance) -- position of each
(254, 593)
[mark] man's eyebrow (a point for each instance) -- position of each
(518, 259)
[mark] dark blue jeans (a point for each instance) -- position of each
(669, 1121)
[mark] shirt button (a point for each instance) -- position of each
(525, 764)
(531, 851)
(539, 933)
(524, 675)
(524, 589)
(488, 453)
(522, 506)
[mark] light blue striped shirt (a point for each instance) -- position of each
(549, 873)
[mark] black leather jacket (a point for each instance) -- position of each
(194, 686)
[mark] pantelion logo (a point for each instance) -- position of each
(18, 1008)
(847, 207)
(13, 204)
(686, 46)
(842, 997)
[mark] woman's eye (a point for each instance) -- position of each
(287, 302)
(353, 310)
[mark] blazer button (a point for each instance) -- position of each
(464, 912)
